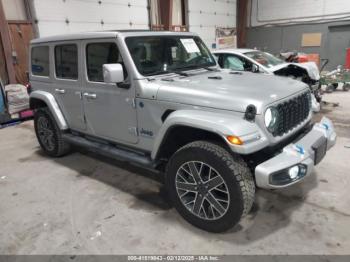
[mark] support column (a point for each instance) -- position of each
(242, 12)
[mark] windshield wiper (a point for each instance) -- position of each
(211, 69)
(182, 73)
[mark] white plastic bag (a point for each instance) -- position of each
(17, 98)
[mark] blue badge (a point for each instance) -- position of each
(300, 149)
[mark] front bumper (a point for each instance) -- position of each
(299, 153)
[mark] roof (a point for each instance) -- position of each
(234, 50)
(105, 34)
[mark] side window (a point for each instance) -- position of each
(233, 62)
(98, 54)
(237, 63)
(40, 61)
(66, 61)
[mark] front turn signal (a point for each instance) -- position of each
(235, 140)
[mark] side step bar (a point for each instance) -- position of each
(109, 151)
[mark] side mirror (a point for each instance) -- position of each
(255, 68)
(113, 73)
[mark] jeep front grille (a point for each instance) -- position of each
(291, 113)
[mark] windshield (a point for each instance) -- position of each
(154, 55)
(264, 59)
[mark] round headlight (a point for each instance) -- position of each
(271, 118)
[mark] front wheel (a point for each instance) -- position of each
(211, 188)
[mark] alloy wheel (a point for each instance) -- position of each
(202, 190)
(46, 133)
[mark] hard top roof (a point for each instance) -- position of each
(105, 34)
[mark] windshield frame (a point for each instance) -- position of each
(180, 69)
(267, 57)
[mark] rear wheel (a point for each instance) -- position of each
(209, 187)
(346, 87)
(48, 134)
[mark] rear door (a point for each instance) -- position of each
(67, 83)
(109, 110)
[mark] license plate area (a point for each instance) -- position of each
(320, 149)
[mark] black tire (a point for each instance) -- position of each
(346, 87)
(57, 146)
(329, 89)
(237, 176)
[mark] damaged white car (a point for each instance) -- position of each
(261, 62)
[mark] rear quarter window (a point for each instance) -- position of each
(40, 65)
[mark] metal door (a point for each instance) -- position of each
(109, 110)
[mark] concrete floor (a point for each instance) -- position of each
(80, 204)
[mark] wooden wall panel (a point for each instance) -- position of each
(6, 43)
(3, 71)
(21, 33)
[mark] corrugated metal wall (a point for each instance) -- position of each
(335, 40)
(276, 11)
(70, 16)
(279, 26)
(205, 15)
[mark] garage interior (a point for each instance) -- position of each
(86, 204)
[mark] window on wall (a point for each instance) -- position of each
(40, 61)
(178, 16)
(156, 15)
(168, 15)
(97, 55)
(66, 61)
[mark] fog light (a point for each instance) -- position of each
(289, 175)
(294, 172)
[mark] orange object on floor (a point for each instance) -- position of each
(314, 58)
(302, 59)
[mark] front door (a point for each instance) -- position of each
(109, 109)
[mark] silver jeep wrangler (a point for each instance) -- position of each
(159, 100)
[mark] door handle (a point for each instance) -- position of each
(60, 91)
(90, 96)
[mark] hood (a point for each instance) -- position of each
(227, 91)
(310, 67)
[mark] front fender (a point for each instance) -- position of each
(222, 124)
(52, 104)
